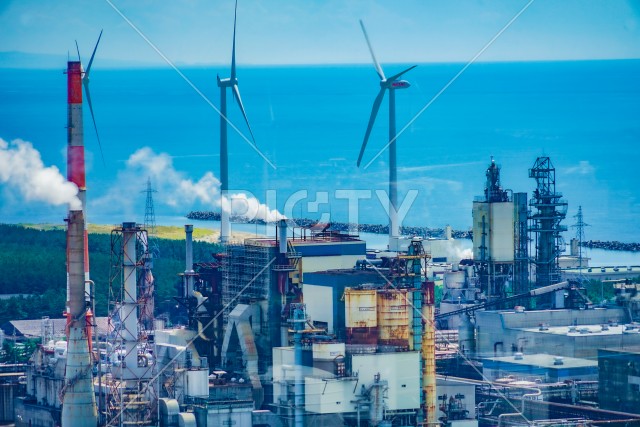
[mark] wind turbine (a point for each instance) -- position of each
(85, 83)
(231, 82)
(390, 84)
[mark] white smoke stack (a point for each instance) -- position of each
(21, 167)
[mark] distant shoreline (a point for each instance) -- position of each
(409, 231)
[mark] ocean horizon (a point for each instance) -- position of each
(309, 122)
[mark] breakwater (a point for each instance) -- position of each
(612, 245)
(341, 226)
(407, 231)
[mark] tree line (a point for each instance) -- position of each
(33, 263)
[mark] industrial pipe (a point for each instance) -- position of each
(429, 354)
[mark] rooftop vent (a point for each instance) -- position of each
(518, 356)
(558, 360)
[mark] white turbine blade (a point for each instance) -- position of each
(397, 76)
(373, 56)
(86, 91)
(85, 83)
(372, 119)
(236, 95)
(92, 55)
(233, 49)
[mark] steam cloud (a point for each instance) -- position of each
(176, 190)
(21, 167)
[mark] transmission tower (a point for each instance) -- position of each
(579, 226)
(150, 220)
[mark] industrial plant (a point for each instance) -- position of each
(310, 327)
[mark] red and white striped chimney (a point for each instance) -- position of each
(75, 151)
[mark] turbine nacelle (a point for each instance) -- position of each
(391, 83)
(227, 82)
(395, 84)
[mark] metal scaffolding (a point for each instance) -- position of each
(521, 244)
(545, 225)
(242, 265)
(127, 397)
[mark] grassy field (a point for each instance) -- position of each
(163, 231)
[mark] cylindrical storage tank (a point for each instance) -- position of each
(454, 279)
(361, 317)
(360, 308)
(394, 317)
(169, 410)
(198, 383)
(187, 419)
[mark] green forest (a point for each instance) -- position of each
(32, 262)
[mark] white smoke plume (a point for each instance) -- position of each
(249, 207)
(21, 168)
(175, 189)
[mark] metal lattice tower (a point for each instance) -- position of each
(579, 226)
(128, 397)
(150, 220)
(545, 222)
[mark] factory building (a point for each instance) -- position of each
(261, 277)
(544, 368)
(568, 333)
(620, 379)
(500, 238)
(334, 394)
(456, 402)
(323, 295)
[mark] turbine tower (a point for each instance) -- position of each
(231, 82)
(390, 84)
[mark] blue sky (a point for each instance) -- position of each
(313, 31)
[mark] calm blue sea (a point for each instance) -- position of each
(310, 121)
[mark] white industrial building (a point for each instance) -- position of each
(569, 333)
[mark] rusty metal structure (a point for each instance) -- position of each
(429, 355)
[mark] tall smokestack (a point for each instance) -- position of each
(78, 397)
(75, 152)
(130, 369)
(188, 270)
